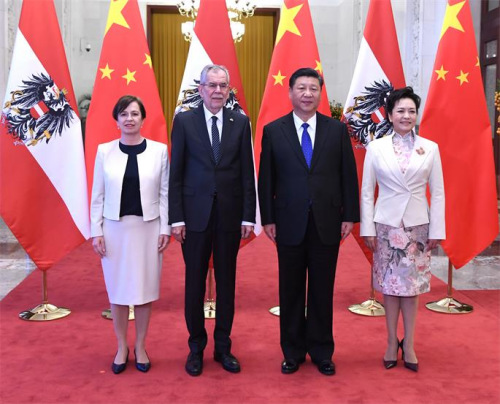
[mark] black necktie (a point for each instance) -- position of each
(215, 140)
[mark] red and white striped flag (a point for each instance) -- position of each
(378, 70)
(43, 196)
(212, 43)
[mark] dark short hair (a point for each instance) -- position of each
(124, 102)
(305, 72)
(399, 94)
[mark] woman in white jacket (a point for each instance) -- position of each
(400, 227)
(129, 224)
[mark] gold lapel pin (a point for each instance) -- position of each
(420, 151)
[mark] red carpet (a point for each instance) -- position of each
(68, 360)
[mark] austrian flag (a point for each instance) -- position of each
(43, 196)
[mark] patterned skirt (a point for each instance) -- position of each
(401, 266)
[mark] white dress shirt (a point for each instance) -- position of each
(311, 129)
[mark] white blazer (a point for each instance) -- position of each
(402, 197)
(110, 164)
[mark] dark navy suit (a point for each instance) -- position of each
(308, 206)
(213, 200)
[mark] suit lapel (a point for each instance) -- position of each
(291, 136)
(227, 126)
(319, 140)
(202, 131)
(417, 158)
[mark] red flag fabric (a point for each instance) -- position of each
(212, 46)
(125, 67)
(295, 47)
(378, 70)
(43, 195)
(456, 117)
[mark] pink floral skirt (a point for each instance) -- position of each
(401, 266)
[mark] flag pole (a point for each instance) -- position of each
(44, 311)
(370, 307)
(209, 306)
(449, 305)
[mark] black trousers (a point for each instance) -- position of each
(196, 249)
(303, 333)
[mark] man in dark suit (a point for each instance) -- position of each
(211, 207)
(308, 193)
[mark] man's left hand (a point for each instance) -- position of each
(246, 230)
(346, 229)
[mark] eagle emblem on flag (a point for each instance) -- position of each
(366, 118)
(37, 110)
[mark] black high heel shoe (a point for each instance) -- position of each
(117, 369)
(142, 367)
(409, 365)
(392, 364)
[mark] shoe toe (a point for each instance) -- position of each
(326, 367)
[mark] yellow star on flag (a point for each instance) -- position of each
(287, 22)
(130, 76)
(318, 67)
(451, 18)
(441, 73)
(148, 61)
(115, 15)
(106, 71)
(462, 77)
(477, 61)
(278, 79)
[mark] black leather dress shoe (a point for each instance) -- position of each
(142, 367)
(326, 366)
(117, 369)
(289, 366)
(408, 365)
(392, 364)
(194, 363)
(229, 362)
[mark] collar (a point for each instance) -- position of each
(298, 122)
(209, 115)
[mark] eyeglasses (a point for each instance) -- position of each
(213, 86)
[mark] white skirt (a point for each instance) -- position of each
(132, 264)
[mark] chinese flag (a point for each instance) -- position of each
(43, 193)
(295, 47)
(456, 117)
(125, 67)
(378, 70)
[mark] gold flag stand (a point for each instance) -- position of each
(108, 316)
(209, 305)
(370, 307)
(44, 311)
(449, 305)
